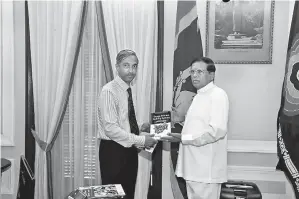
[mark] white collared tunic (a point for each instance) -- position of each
(203, 151)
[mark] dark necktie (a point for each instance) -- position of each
(132, 117)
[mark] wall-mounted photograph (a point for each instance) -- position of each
(240, 32)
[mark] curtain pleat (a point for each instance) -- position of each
(76, 150)
(55, 43)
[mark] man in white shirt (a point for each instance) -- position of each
(202, 159)
(118, 128)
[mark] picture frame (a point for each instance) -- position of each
(240, 32)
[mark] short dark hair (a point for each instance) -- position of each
(210, 64)
(124, 54)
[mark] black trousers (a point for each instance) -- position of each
(119, 165)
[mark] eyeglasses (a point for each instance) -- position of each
(198, 72)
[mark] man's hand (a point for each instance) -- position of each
(149, 141)
(145, 127)
(176, 135)
(172, 137)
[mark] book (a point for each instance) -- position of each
(160, 124)
(150, 150)
(77, 194)
(103, 191)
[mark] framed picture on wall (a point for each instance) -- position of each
(240, 31)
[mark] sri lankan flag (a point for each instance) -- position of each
(188, 46)
(288, 116)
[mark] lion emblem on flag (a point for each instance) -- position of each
(291, 84)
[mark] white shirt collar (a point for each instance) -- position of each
(122, 84)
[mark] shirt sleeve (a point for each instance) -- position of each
(216, 129)
(111, 127)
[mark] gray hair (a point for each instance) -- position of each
(124, 54)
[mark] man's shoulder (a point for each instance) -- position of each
(110, 89)
(218, 92)
(109, 86)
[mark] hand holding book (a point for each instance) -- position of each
(172, 137)
(145, 127)
(150, 142)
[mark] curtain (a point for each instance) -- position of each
(133, 25)
(55, 33)
(29, 139)
(155, 191)
(76, 150)
(103, 41)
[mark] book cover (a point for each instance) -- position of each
(160, 124)
(103, 191)
(77, 194)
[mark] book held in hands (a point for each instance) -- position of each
(160, 124)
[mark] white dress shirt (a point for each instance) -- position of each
(113, 119)
(203, 150)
